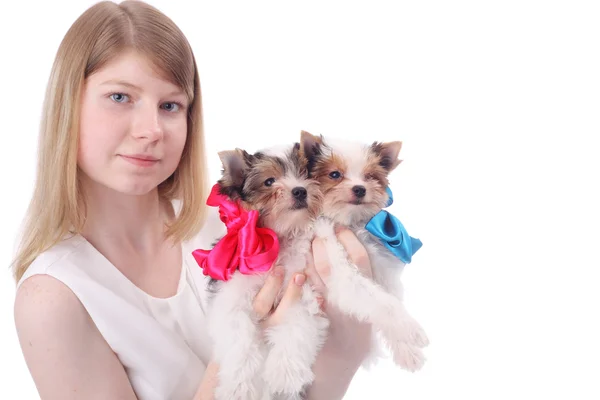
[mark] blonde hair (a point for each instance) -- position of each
(102, 32)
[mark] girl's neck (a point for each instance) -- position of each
(137, 222)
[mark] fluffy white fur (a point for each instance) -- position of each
(275, 363)
(378, 301)
(294, 344)
(278, 364)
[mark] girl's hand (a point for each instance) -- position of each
(266, 311)
(264, 302)
(349, 340)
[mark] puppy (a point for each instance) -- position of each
(275, 183)
(353, 179)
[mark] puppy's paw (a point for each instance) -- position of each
(408, 357)
(396, 323)
(415, 333)
(405, 337)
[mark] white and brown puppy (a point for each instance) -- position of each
(353, 178)
(279, 365)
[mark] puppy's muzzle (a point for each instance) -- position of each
(299, 194)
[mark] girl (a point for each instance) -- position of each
(110, 304)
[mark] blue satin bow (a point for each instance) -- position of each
(392, 233)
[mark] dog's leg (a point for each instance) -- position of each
(294, 344)
(367, 301)
(237, 340)
(359, 296)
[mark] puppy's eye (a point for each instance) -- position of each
(335, 175)
(269, 181)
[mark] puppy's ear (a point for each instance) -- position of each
(310, 147)
(388, 154)
(236, 164)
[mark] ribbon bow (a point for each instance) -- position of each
(245, 246)
(392, 233)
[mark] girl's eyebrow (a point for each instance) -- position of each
(120, 82)
(176, 92)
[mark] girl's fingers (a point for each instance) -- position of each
(316, 282)
(292, 294)
(264, 300)
(320, 259)
(313, 275)
(356, 251)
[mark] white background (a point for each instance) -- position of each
(498, 106)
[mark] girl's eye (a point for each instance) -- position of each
(335, 175)
(269, 181)
(171, 107)
(119, 97)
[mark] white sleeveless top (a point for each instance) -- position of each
(162, 342)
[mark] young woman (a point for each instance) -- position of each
(110, 304)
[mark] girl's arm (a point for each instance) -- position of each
(66, 355)
(69, 359)
(208, 384)
(349, 340)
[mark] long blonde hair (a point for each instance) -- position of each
(97, 36)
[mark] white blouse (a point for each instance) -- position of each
(162, 342)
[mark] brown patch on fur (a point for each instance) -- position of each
(325, 166)
(245, 177)
(388, 154)
(300, 161)
(374, 171)
(308, 140)
(339, 201)
(256, 195)
(310, 148)
(315, 198)
(236, 163)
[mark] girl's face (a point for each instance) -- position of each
(133, 126)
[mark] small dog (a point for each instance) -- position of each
(274, 182)
(353, 179)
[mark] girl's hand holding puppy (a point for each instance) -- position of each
(354, 182)
(348, 342)
(264, 303)
(318, 267)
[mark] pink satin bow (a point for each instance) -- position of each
(245, 246)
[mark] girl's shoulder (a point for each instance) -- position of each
(61, 254)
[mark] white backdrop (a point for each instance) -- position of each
(498, 106)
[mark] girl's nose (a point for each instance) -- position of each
(147, 125)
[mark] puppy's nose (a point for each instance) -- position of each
(359, 191)
(299, 193)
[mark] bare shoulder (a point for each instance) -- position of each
(66, 354)
(42, 299)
